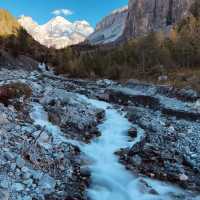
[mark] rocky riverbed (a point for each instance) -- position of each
(170, 118)
(40, 157)
(45, 122)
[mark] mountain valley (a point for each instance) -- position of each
(105, 113)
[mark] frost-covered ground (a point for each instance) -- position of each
(38, 159)
(61, 142)
(170, 118)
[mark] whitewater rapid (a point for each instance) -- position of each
(110, 179)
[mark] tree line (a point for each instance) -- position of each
(151, 54)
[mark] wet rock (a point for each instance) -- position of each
(170, 137)
(136, 160)
(37, 175)
(85, 171)
(105, 82)
(132, 132)
(148, 96)
(144, 187)
(28, 182)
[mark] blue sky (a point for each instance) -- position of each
(41, 10)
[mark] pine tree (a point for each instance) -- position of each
(23, 40)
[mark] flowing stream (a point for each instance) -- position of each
(110, 179)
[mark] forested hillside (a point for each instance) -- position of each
(155, 57)
(148, 58)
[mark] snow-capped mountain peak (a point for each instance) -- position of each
(58, 20)
(83, 27)
(28, 22)
(57, 32)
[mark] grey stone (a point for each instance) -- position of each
(4, 183)
(18, 187)
(37, 175)
(28, 182)
(3, 119)
(9, 155)
(4, 194)
(47, 184)
(20, 162)
(85, 171)
(136, 160)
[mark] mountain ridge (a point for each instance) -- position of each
(110, 28)
(139, 18)
(58, 32)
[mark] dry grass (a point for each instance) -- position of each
(178, 77)
(184, 77)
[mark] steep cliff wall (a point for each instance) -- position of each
(110, 28)
(153, 15)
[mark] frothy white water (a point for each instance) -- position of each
(40, 117)
(110, 180)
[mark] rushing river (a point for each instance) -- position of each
(110, 179)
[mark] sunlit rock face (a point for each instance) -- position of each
(110, 28)
(139, 18)
(153, 15)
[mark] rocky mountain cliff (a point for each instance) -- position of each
(58, 32)
(154, 15)
(139, 18)
(110, 28)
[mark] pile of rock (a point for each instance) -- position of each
(32, 165)
(73, 114)
(30, 171)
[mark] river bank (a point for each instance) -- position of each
(60, 142)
